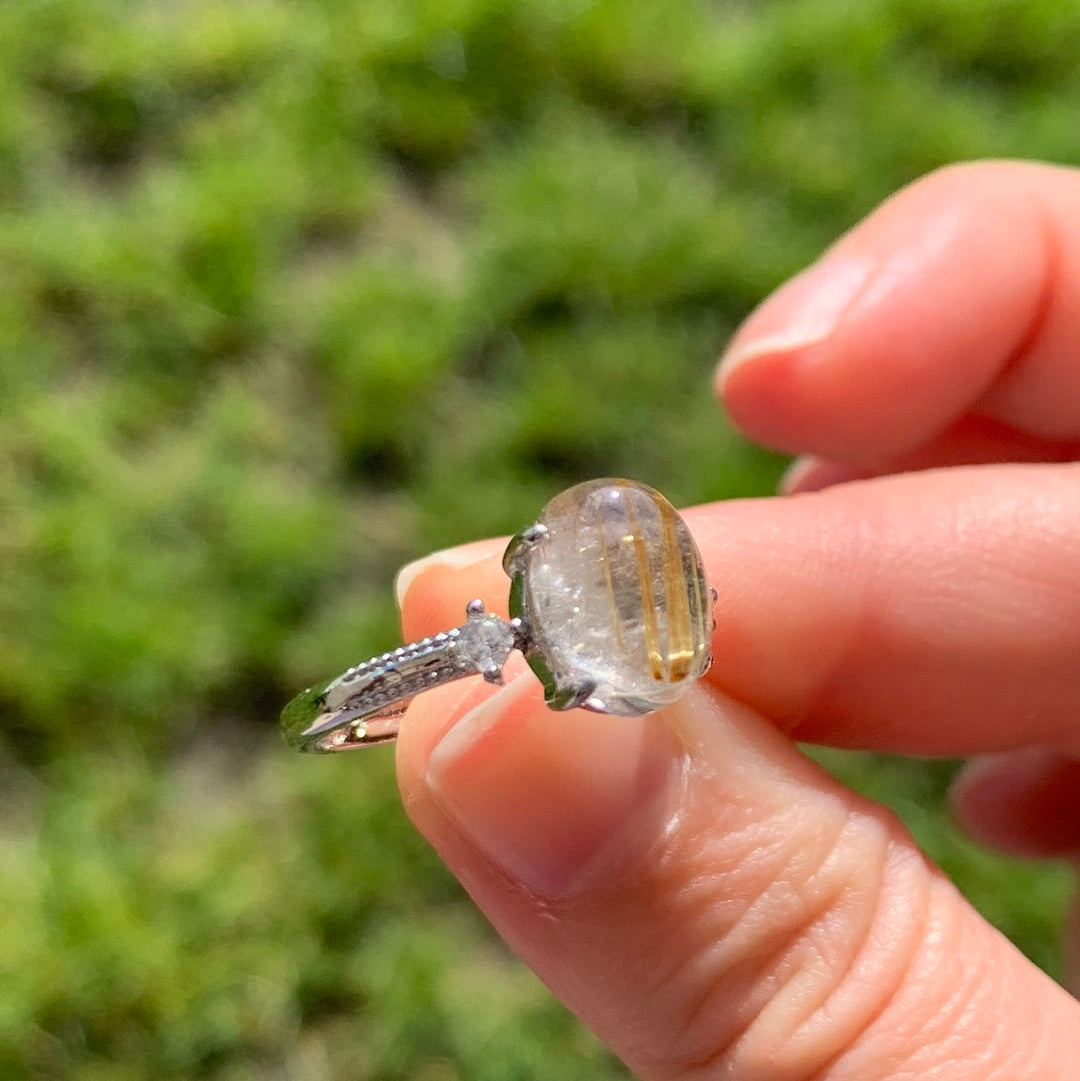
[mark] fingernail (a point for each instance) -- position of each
(812, 475)
(805, 311)
(798, 471)
(561, 802)
(465, 555)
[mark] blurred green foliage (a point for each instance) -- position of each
(293, 292)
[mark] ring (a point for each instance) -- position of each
(609, 605)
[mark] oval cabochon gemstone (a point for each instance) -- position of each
(613, 591)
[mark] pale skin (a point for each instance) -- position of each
(707, 901)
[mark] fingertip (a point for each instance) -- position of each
(458, 558)
(1024, 803)
(433, 592)
(801, 313)
(765, 395)
(899, 328)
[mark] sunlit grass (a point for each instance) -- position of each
(295, 293)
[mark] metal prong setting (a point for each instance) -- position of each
(569, 696)
(528, 538)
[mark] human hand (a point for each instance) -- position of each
(707, 900)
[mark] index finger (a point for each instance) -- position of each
(959, 296)
(934, 613)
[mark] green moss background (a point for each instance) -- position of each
(293, 292)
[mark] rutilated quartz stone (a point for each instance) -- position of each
(611, 588)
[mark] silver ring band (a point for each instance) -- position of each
(364, 705)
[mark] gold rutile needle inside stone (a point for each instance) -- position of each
(612, 592)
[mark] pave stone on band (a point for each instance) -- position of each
(608, 603)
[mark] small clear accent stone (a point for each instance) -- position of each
(615, 598)
(486, 640)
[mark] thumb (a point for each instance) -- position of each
(708, 901)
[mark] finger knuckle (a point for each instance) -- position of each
(810, 941)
